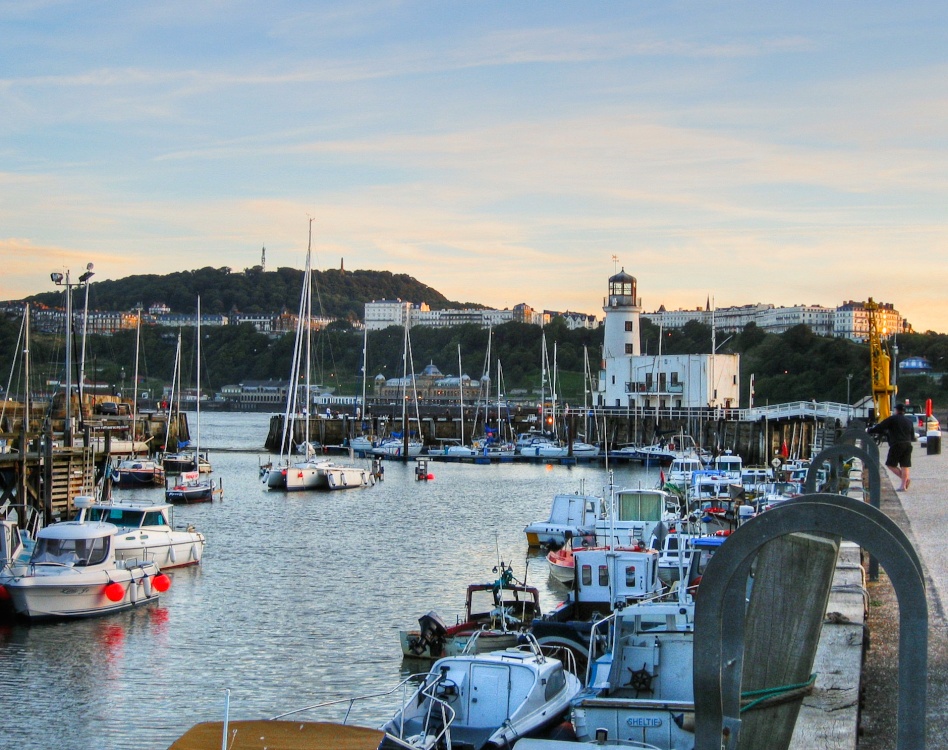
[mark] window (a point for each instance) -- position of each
(630, 348)
(674, 378)
(630, 575)
(586, 573)
(555, 684)
(603, 575)
(629, 325)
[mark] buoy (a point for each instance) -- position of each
(115, 592)
(161, 583)
(430, 476)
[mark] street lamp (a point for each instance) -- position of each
(60, 279)
(849, 409)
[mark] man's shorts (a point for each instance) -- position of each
(900, 454)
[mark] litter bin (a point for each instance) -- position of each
(933, 442)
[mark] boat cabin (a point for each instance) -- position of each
(606, 578)
(635, 516)
(74, 544)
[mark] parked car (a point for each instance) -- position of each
(113, 408)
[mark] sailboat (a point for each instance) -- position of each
(313, 472)
(182, 460)
(136, 471)
(191, 486)
(400, 445)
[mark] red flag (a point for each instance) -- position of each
(784, 450)
(661, 475)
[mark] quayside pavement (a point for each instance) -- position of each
(922, 513)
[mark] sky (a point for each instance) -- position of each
(500, 152)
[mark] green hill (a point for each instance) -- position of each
(340, 294)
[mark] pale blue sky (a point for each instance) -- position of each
(785, 152)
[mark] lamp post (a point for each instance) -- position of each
(63, 280)
(849, 409)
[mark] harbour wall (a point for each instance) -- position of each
(756, 441)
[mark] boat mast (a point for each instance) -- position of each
(309, 339)
(461, 394)
(197, 408)
(405, 390)
(138, 333)
(365, 371)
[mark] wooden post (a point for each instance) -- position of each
(792, 583)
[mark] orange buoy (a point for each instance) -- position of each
(430, 476)
(161, 583)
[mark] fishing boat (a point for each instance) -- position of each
(146, 531)
(73, 572)
(477, 701)
(496, 612)
(570, 516)
(605, 579)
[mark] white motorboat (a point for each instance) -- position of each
(572, 515)
(485, 700)
(728, 464)
(394, 447)
(145, 531)
(73, 572)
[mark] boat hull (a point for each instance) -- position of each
(59, 592)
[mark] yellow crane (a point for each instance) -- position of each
(879, 365)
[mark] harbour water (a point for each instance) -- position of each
(299, 598)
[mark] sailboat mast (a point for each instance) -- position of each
(365, 365)
(138, 333)
(461, 393)
(405, 390)
(197, 407)
(309, 335)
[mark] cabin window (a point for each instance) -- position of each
(603, 575)
(154, 518)
(555, 684)
(587, 576)
(674, 378)
(71, 551)
(630, 576)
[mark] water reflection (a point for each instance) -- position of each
(299, 599)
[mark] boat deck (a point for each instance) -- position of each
(278, 735)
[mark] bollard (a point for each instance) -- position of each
(933, 442)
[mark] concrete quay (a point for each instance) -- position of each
(922, 513)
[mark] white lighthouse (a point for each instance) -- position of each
(630, 380)
(621, 340)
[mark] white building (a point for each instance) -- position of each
(632, 380)
(849, 320)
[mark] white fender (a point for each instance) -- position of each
(345, 482)
(194, 553)
(171, 553)
(147, 583)
(132, 590)
(331, 479)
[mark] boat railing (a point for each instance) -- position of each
(439, 715)
(402, 686)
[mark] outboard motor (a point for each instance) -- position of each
(431, 635)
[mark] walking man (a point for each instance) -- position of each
(900, 434)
